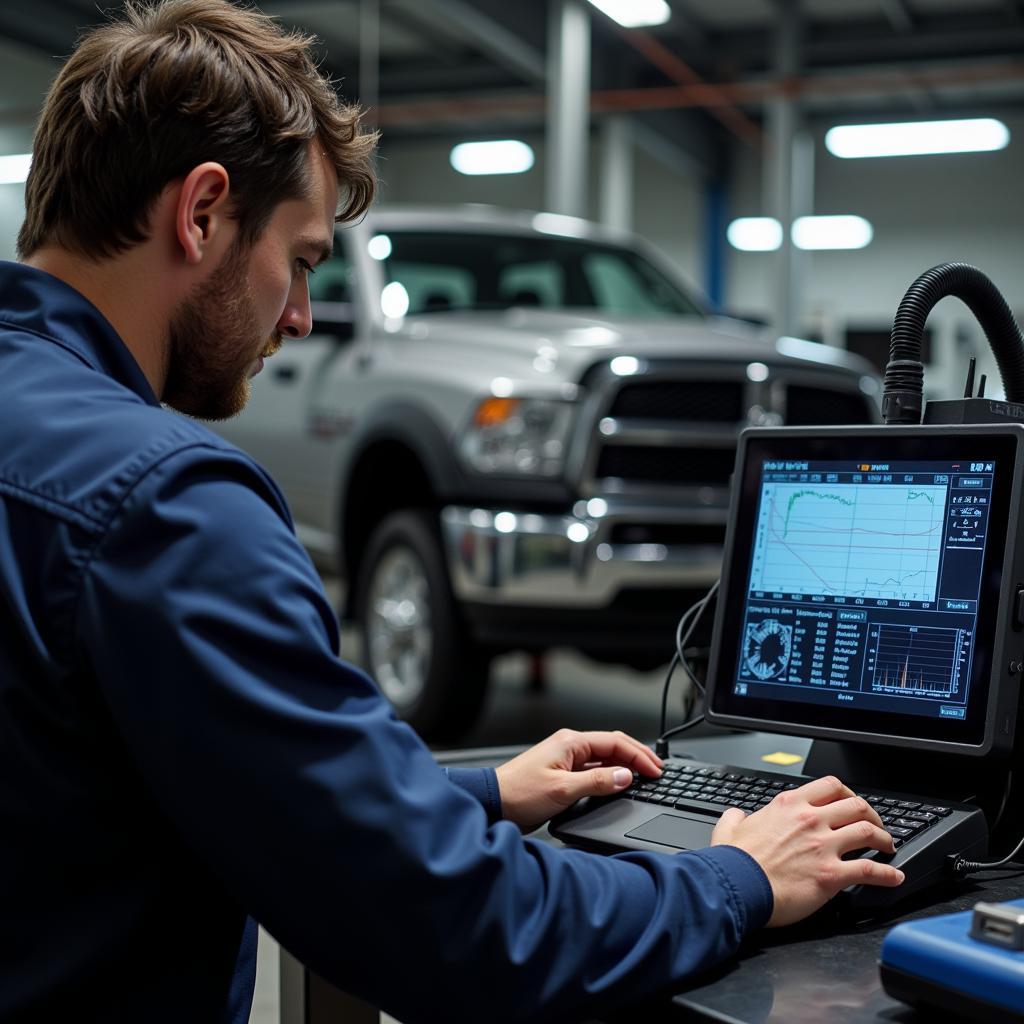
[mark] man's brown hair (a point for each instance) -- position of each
(146, 98)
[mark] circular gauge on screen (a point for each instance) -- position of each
(766, 648)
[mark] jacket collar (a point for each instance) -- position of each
(35, 301)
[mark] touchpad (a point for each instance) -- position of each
(675, 830)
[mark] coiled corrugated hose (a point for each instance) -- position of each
(904, 376)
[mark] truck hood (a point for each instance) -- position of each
(557, 346)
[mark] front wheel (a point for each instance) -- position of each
(414, 645)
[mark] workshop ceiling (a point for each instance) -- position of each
(476, 66)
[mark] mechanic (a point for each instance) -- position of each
(182, 752)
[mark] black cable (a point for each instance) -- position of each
(961, 866)
(689, 620)
(904, 375)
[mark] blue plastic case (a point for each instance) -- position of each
(935, 962)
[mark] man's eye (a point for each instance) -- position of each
(307, 267)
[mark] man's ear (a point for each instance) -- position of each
(201, 212)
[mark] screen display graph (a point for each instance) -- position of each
(910, 660)
(859, 540)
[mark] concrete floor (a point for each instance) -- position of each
(579, 693)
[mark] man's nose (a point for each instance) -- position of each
(297, 319)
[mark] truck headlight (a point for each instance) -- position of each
(518, 435)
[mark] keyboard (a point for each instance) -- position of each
(678, 811)
(712, 789)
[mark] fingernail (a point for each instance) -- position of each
(902, 876)
(622, 777)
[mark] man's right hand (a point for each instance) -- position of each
(799, 840)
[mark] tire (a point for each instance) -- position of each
(414, 644)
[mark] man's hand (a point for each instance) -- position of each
(568, 765)
(799, 838)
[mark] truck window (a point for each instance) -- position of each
(541, 283)
(620, 286)
(443, 270)
(434, 286)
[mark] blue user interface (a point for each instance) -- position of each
(864, 584)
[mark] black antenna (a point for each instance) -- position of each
(981, 387)
(969, 390)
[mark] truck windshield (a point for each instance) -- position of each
(452, 271)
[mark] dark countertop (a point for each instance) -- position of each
(822, 970)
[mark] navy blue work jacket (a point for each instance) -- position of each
(182, 751)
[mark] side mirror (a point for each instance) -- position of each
(334, 318)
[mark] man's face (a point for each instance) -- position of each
(255, 299)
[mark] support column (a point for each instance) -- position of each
(567, 137)
(786, 174)
(617, 173)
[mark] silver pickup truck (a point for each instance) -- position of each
(516, 431)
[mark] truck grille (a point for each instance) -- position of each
(700, 453)
(713, 401)
(814, 407)
(689, 467)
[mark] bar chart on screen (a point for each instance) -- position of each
(912, 661)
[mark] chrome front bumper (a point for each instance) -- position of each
(568, 561)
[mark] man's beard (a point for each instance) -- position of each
(214, 340)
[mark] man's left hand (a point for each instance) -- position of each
(568, 765)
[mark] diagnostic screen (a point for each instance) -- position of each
(864, 584)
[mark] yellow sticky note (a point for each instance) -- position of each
(781, 757)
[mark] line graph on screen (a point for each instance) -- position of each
(857, 540)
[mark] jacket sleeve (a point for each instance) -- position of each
(481, 783)
(326, 817)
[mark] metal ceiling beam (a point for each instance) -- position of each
(866, 44)
(755, 92)
(678, 71)
(465, 22)
(403, 79)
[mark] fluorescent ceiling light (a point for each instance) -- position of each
(917, 138)
(755, 234)
(14, 169)
(831, 232)
(634, 13)
(508, 156)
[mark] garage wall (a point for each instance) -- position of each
(925, 210)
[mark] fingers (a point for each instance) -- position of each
(867, 872)
(823, 791)
(861, 834)
(848, 810)
(726, 826)
(596, 782)
(615, 748)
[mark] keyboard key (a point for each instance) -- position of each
(699, 805)
(900, 833)
(914, 826)
(909, 805)
(932, 809)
